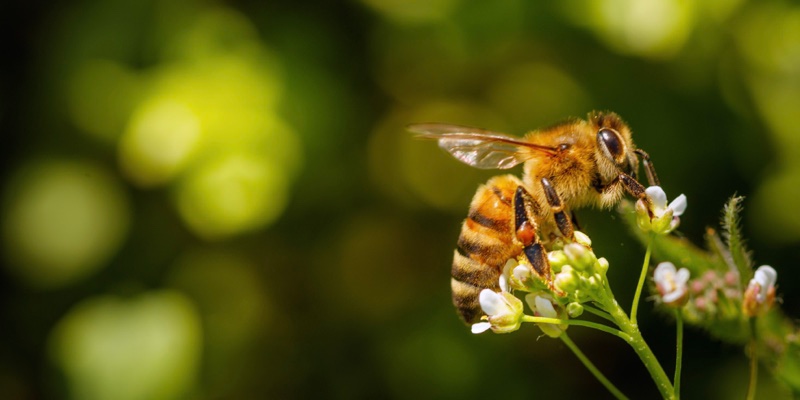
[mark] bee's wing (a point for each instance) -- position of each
(480, 148)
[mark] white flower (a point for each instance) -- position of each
(671, 284)
(760, 292)
(660, 218)
(542, 306)
(503, 312)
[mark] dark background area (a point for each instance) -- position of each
(220, 200)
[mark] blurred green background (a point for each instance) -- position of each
(208, 200)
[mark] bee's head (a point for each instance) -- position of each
(615, 149)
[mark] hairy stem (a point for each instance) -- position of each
(591, 367)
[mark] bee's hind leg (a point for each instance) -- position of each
(563, 220)
(525, 228)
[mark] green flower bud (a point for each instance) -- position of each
(580, 257)
(601, 265)
(583, 239)
(557, 259)
(566, 280)
(574, 309)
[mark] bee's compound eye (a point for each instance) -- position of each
(611, 140)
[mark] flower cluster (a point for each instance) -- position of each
(578, 277)
(714, 295)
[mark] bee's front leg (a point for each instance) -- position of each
(649, 168)
(525, 231)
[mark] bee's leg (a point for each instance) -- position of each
(632, 186)
(636, 189)
(649, 168)
(525, 231)
(557, 207)
(574, 219)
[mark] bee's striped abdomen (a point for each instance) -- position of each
(484, 246)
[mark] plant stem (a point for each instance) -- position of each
(556, 321)
(639, 346)
(751, 386)
(678, 353)
(596, 372)
(642, 278)
(598, 312)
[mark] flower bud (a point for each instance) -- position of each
(582, 238)
(557, 259)
(566, 280)
(574, 309)
(601, 265)
(642, 216)
(579, 256)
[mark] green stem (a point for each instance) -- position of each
(678, 353)
(598, 312)
(642, 278)
(639, 346)
(556, 321)
(751, 386)
(596, 372)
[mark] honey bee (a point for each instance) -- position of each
(574, 164)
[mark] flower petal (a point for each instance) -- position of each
(481, 327)
(657, 196)
(545, 308)
(673, 296)
(678, 205)
(522, 272)
(682, 277)
(492, 303)
(766, 276)
(663, 271)
(504, 282)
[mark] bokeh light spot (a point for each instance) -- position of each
(233, 307)
(778, 221)
(147, 347)
(234, 193)
(649, 28)
(101, 95)
(62, 220)
(159, 141)
(536, 94)
(413, 11)
(768, 38)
